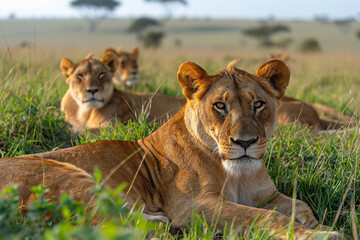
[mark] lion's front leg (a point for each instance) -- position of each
(243, 217)
(283, 204)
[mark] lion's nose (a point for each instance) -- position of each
(92, 90)
(244, 143)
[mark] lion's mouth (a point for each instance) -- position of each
(242, 158)
(93, 100)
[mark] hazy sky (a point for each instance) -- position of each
(196, 8)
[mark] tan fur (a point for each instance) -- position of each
(206, 158)
(291, 110)
(109, 103)
(126, 68)
(47, 173)
(284, 56)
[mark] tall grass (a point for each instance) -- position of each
(322, 170)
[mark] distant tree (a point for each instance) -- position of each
(12, 15)
(148, 32)
(153, 39)
(139, 25)
(322, 18)
(358, 34)
(344, 23)
(265, 32)
(310, 45)
(168, 4)
(95, 10)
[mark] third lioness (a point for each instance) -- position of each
(91, 100)
(292, 110)
(207, 158)
(126, 71)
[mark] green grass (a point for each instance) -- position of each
(323, 170)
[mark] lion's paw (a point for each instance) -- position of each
(307, 219)
(323, 227)
(333, 235)
(303, 234)
(323, 235)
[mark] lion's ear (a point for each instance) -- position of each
(107, 50)
(67, 67)
(119, 49)
(109, 60)
(274, 74)
(193, 80)
(135, 52)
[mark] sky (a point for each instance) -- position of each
(227, 9)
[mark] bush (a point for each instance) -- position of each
(358, 34)
(310, 45)
(153, 39)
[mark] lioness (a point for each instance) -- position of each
(292, 110)
(126, 68)
(91, 100)
(284, 56)
(207, 158)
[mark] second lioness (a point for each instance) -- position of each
(91, 100)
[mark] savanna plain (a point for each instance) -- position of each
(321, 170)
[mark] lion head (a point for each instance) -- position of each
(90, 80)
(232, 112)
(284, 56)
(126, 68)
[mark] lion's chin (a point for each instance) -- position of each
(131, 82)
(93, 104)
(243, 158)
(242, 166)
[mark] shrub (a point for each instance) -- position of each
(358, 34)
(70, 219)
(153, 39)
(310, 45)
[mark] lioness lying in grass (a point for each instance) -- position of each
(207, 158)
(126, 71)
(92, 101)
(292, 110)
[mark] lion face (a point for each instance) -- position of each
(126, 67)
(233, 113)
(90, 80)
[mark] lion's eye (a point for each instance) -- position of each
(258, 105)
(102, 75)
(80, 76)
(123, 64)
(219, 106)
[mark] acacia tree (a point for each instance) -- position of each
(95, 10)
(140, 24)
(148, 32)
(168, 5)
(265, 32)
